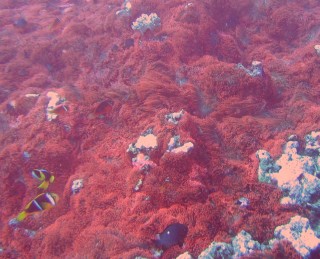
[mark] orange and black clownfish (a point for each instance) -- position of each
(43, 201)
(44, 176)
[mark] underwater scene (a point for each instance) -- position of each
(141, 129)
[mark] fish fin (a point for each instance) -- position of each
(51, 179)
(22, 215)
(44, 185)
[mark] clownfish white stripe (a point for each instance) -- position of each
(35, 175)
(37, 205)
(51, 199)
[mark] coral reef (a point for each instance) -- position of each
(299, 233)
(150, 113)
(146, 22)
(296, 172)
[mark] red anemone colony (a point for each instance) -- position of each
(115, 84)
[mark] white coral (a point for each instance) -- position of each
(300, 234)
(145, 22)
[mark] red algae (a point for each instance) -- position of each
(79, 86)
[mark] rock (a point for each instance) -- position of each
(300, 234)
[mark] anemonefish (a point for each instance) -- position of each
(43, 201)
(44, 176)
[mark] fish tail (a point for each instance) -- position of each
(51, 179)
(22, 215)
(44, 185)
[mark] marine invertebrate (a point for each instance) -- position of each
(126, 8)
(56, 102)
(76, 186)
(299, 233)
(142, 162)
(174, 117)
(217, 250)
(21, 105)
(243, 202)
(242, 244)
(294, 173)
(145, 142)
(185, 255)
(138, 185)
(229, 115)
(266, 166)
(313, 145)
(146, 22)
(255, 70)
(286, 22)
(174, 146)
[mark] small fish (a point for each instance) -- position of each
(174, 234)
(43, 201)
(44, 176)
